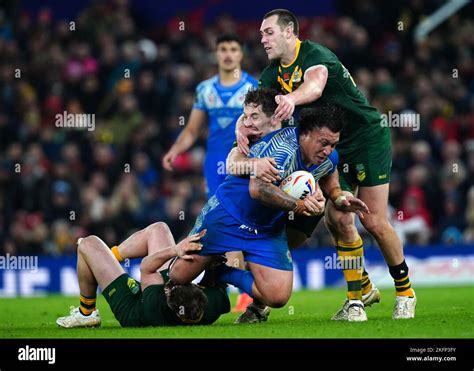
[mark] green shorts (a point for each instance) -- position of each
(124, 295)
(305, 224)
(367, 165)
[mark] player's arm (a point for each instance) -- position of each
(342, 201)
(310, 90)
(186, 138)
(151, 263)
(270, 195)
(263, 168)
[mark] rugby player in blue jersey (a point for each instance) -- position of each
(249, 214)
(219, 103)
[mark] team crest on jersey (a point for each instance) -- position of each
(297, 74)
(287, 83)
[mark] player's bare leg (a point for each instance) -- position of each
(377, 224)
(271, 288)
(96, 265)
(295, 239)
(236, 259)
(155, 237)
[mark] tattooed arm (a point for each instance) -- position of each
(270, 195)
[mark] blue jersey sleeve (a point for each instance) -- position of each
(279, 145)
(199, 102)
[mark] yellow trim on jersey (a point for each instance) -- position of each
(295, 77)
(298, 45)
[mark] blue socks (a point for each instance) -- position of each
(237, 277)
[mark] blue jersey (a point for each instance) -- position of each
(233, 194)
(223, 105)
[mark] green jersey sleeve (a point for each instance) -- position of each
(315, 58)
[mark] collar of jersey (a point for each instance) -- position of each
(298, 46)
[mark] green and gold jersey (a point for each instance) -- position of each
(363, 120)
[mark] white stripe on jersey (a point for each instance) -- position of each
(283, 147)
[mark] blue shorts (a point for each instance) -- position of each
(224, 233)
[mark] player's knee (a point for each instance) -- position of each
(277, 300)
(87, 243)
(276, 294)
(158, 227)
(377, 227)
(344, 224)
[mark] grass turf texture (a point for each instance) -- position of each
(441, 313)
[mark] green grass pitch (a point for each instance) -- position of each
(441, 313)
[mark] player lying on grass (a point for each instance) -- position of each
(249, 214)
(155, 301)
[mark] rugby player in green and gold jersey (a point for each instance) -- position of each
(155, 301)
(307, 73)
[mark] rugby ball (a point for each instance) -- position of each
(299, 184)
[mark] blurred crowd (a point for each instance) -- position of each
(59, 183)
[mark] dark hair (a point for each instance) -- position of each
(321, 115)
(285, 17)
(188, 301)
(264, 97)
(227, 37)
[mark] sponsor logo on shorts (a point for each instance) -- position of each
(111, 292)
(384, 176)
(288, 255)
